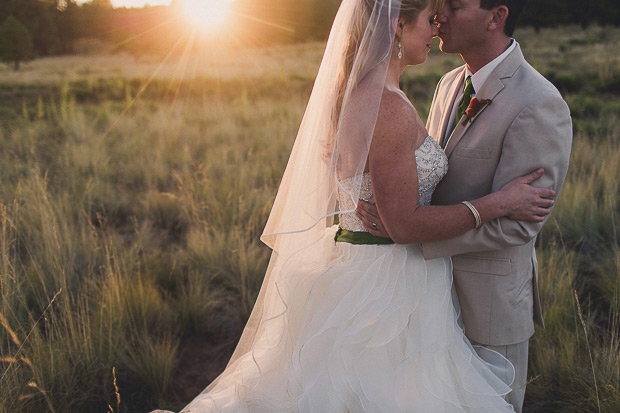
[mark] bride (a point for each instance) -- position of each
(349, 322)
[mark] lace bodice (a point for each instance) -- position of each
(432, 165)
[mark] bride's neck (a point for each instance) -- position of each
(395, 69)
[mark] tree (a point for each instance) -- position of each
(15, 42)
(38, 17)
(67, 19)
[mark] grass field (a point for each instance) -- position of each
(134, 192)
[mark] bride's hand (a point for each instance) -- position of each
(524, 202)
(368, 214)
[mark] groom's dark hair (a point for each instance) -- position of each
(515, 7)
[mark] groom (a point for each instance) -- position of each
(521, 124)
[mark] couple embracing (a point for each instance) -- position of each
(424, 296)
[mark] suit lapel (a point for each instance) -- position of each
(489, 90)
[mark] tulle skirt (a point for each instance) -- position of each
(363, 328)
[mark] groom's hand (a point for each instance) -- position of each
(368, 214)
(525, 202)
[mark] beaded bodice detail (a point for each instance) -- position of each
(432, 165)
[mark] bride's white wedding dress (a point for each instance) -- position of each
(364, 328)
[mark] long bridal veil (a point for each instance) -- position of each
(331, 145)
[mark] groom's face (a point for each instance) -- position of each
(462, 26)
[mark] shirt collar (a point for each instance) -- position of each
(481, 76)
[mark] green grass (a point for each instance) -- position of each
(131, 207)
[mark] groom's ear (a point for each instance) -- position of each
(498, 18)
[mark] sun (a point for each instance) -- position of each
(207, 14)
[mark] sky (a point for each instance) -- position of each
(134, 3)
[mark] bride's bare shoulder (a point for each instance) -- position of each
(398, 119)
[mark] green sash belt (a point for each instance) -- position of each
(352, 237)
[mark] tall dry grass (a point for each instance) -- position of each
(145, 215)
(131, 207)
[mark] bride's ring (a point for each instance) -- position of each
(374, 226)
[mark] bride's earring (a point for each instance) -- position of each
(400, 50)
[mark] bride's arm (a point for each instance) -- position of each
(392, 165)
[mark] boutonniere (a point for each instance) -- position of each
(475, 106)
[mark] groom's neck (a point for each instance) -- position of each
(480, 56)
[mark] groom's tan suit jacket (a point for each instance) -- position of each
(526, 126)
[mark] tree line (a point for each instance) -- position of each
(31, 28)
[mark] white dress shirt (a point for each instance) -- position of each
(477, 80)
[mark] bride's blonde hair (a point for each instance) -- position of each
(407, 10)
